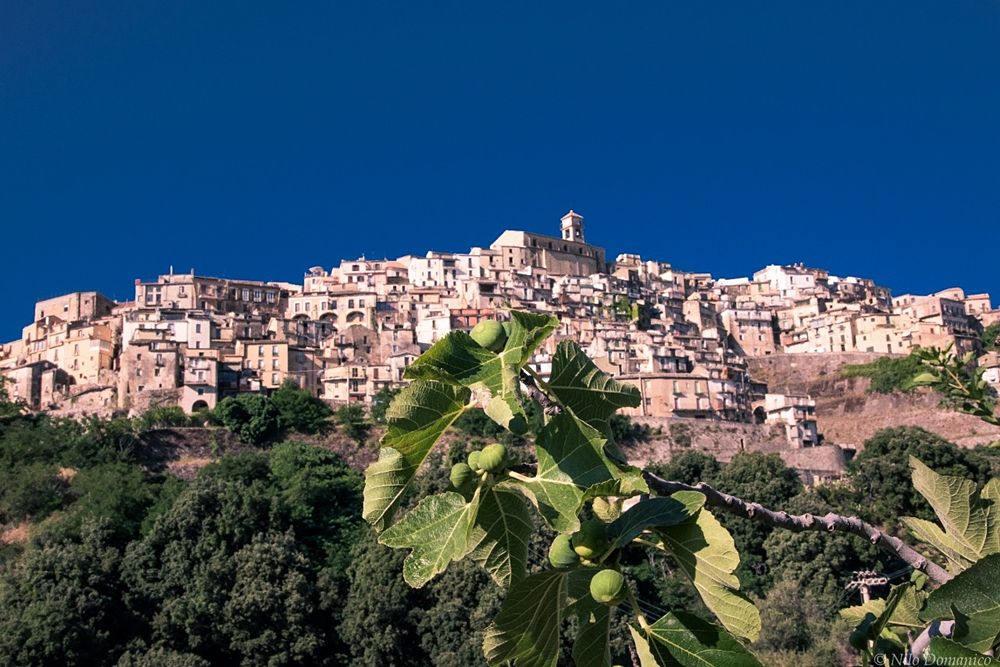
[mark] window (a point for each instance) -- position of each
(350, 303)
(275, 365)
(246, 294)
(274, 378)
(270, 297)
(298, 306)
(258, 295)
(197, 328)
(274, 350)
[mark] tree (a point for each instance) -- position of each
(9, 409)
(795, 630)
(378, 624)
(492, 524)
(880, 474)
(576, 485)
(270, 616)
(380, 403)
(322, 496)
(31, 492)
(252, 417)
(990, 337)
(299, 410)
(351, 418)
(236, 570)
(764, 479)
(160, 657)
(61, 604)
(820, 565)
(119, 492)
(690, 466)
(626, 431)
(162, 417)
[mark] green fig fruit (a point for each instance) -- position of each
(489, 334)
(473, 460)
(463, 479)
(608, 587)
(561, 553)
(607, 510)
(591, 540)
(493, 458)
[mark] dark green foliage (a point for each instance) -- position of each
(887, 374)
(251, 417)
(386, 622)
(269, 617)
(353, 422)
(476, 423)
(65, 442)
(229, 572)
(380, 614)
(321, 495)
(817, 563)
(761, 478)
(162, 417)
(689, 467)
(61, 604)
(461, 603)
(299, 410)
(880, 474)
(626, 431)
(990, 337)
(160, 657)
(31, 491)
(380, 403)
(9, 409)
(795, 630)
(119, 492)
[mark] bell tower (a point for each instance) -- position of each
(572, 227)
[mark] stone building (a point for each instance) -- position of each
(568, 254)
(74, 307)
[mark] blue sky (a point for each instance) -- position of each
(250, 139)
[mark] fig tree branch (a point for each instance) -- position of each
(801, 522)
(755, 512)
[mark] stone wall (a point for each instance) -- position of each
(848, 414)
(724, 440)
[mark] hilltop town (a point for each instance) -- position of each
(347, 333)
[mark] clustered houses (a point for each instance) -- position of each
(346, 333)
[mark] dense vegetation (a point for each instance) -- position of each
(264, 559)
(887, 374)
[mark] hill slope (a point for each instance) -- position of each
(848, 414)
